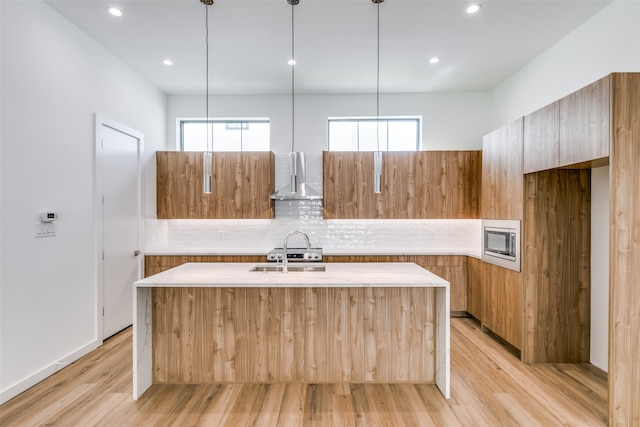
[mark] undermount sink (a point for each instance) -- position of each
(291, 268)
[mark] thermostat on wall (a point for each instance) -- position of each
(48, 216)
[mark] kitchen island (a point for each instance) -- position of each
(353, 322)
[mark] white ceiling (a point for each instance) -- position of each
(335, 42)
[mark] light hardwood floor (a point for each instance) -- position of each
(490, 387)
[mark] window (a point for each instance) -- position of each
(360, 134)
(226, 134)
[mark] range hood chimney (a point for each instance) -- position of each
(298, 189)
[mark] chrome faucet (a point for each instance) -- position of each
(286, 242)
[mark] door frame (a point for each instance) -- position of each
(100, 121)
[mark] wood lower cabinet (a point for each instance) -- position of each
(474, 287)
(154, 264)
(502, 303)
(452, 268)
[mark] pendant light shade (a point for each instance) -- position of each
(207, 161)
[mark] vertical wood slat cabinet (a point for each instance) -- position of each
(556, 256)
(624, 257)
(502, 172)
(585, 130)
(415, 185)
(241, 185)
(542, 139)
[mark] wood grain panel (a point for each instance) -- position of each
(585, 131)
(502, 303)
(474, 287)
(241, 185)
(502, 172)
(624, 268)
(222, 335)
(452, 268)
(542, 139)
(556, 268)
(424, 184)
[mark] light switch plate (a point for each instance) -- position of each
(42, 229)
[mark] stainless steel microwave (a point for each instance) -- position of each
(501, 242)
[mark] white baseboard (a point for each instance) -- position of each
(25, 384)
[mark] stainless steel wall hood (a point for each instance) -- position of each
(304, 191)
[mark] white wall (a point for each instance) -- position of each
(53, 79)
(600, 267)
(607, 43)
(451, 121)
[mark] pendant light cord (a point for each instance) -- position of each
(293, 79)
(378, 80)
(206, 23)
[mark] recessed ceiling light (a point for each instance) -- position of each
(473, 8)
(167, 62)
(291, 62)
(115, 11)
(434, 60)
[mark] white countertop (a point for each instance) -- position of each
(202, 274)
(472, 252)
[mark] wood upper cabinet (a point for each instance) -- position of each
(502, 172)
(241, 185)
(585, 117)
(415, 185)
(542, 139)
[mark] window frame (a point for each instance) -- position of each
(386, 119)
(241, 121)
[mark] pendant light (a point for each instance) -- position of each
(377, 155)
(207, 155)
(293, 156)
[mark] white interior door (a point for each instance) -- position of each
(118, 158)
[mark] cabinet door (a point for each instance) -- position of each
(542, 139)
(502, 172)
(474, 288)
(502, 303)
(585, 120)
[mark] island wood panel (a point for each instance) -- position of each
(502, 172)
(452, 268)
(585, 117)
(542, 139)
(154, 264)
(241, 185)
(474, 287)
(423, 184)
(210, 335)
(502, 303)
(556, 268)
(624, 274)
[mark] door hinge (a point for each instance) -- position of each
(103, 255)
(102, 311)
(103, 200)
